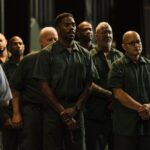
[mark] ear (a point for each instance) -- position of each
(123, 46)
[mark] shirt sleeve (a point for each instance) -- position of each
(5, 92)
(16, 80)
(92, 72)
(115, 76)
(42, 66)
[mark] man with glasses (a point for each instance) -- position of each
(129, 80)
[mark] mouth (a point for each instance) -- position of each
(71, 34)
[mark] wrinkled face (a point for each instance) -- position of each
(67, 28)
(16, 46)
(85, 32)
(132, 45)
(3, 42)
(48, 38)
(104, 36)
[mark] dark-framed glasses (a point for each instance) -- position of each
(133, 43)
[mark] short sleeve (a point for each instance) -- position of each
(42, 66)
(115, 76)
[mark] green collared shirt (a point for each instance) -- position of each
(66, 72)
(134, 79)
(97, 105)
(22, 80)
(9, 67)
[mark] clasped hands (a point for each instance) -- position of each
(144, 111)
(67, 116)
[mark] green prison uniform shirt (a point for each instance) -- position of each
(22, 80)
(9, 67)
(134, 79)
(97, 104)
(67, 73)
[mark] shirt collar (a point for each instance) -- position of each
(128, 60)
(59, 48)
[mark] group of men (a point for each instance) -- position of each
(78, 95)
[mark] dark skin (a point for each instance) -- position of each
(85, 34)
(66, 33)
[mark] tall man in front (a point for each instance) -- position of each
(65, 73)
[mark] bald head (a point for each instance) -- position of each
(14, 38)
(47, 36)
(131, 43)
(85, 31)
(16, 46)
(83, 25)
(128, 35)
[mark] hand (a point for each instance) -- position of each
(71, 123)
(67, 116)
(68, 113)
(144, 112)
(8, 123)
(16, 120)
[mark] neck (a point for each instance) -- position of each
(134, 58)
(66, 44)
(17, 58)
(86, 45)
(104, 49)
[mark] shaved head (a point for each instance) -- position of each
(47, 36)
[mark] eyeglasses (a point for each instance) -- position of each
(132, 43)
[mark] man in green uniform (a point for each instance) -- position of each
(28, 100)
(10, 135)
(64, 73)
(129, 80)
(98, 115)
(85, 35)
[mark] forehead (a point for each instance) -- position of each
(68, 19)
(16, 39)
(104, 27)
(2, 37)
(131, 37)
(85, 25)
(49, 35)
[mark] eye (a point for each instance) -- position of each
(132, 43)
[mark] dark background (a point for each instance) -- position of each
(122, 15)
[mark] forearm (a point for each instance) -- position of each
(52, 100)
(98, 89)
(83, 96)
(125, 99)
(15, 101)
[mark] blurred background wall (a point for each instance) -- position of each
(26, 17)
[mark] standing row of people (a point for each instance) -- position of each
(54, 88)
